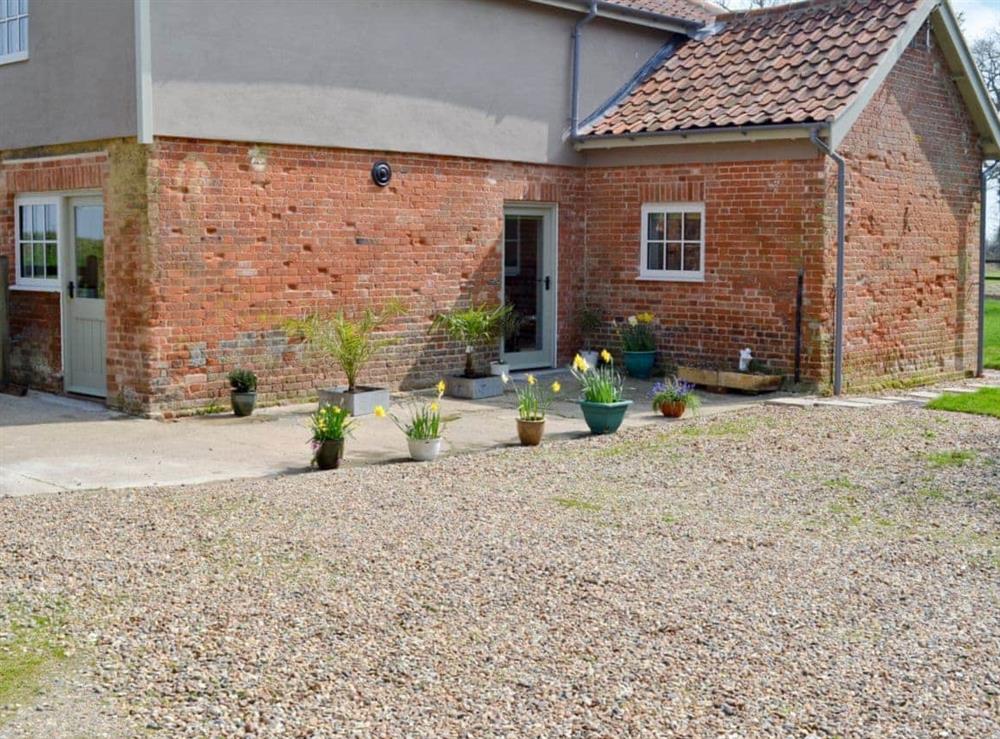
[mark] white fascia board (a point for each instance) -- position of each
(967, 77)
(696, 137)
(622, 17)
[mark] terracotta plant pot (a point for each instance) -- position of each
(673, 409)
(329, 454)
(530, 432)
(424, 450)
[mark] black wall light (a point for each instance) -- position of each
(381, 173)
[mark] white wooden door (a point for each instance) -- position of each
(86, 342)
(529, 285)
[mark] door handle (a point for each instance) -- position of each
(70, 287)
(548, 282)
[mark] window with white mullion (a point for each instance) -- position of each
(13, 30)
(36, 253)
(673, 241)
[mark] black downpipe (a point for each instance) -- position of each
(799, 287)
(981, 346)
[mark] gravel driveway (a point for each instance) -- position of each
(773, 572)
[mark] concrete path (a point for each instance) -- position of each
(50, 443)
(862, 402)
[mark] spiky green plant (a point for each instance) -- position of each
(350, 342)
(474, 326)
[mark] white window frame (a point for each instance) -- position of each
(22, 13)
(42, 284)
(670, 275)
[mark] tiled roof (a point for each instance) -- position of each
(691, 10)
(794, 64)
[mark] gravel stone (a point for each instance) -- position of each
(773, 572)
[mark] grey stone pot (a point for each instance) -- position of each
(362, 402)
(474, 388)
(243, 403)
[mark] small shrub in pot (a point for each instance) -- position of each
(244, 391)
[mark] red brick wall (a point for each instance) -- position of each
(36, 335)
(913, 228)
(763, 222)
(239, 250)
(118, 170)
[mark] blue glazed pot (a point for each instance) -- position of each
(604, 418)
(640, 364)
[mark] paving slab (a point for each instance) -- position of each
(51, 443)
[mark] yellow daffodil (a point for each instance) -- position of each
(440, 388)
(556, 387)
(531, 380)
(644, 318)
(434, 407)
(379, 411)
(580, 364)
(606, 356)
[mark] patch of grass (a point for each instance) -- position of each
(29, 644)
(992, 332)
(929, 494)
(983, 402)
(211, 409)
(737, 427)
(577, 505)
(955, 458)
(669, 519)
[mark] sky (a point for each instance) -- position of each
(980, 16)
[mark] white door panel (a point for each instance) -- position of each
(86, 340)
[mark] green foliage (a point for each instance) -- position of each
(992, 334)
(983, 402)
(330, 423)
(243, 381)
(533, 400)
(598, 384)
(588, 320)
(29, 643)
(350, 342)
(636, 334)
(474, 326)
(577, 505)
(425, 420)
(674, 391)
(950, 459)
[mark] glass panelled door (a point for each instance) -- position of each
(529, 286)
(86, 343)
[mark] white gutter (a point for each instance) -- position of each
(624, 15)
(143, 73)
(765, 132)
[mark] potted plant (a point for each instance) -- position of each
(423, 429)
(476, 326)
(244, 391)
(351, 343)
(331, 425)
(532, 404)
(601, 388)
(638, 345)
(588, 321)
(673, 397)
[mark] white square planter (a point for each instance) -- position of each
(359, 403)
(499, 369)
(474, 388)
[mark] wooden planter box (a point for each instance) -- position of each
(742, 381)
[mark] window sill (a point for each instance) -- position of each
(671, 278)
(19, 287)
(21, 56)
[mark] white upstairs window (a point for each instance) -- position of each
(13, 30)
